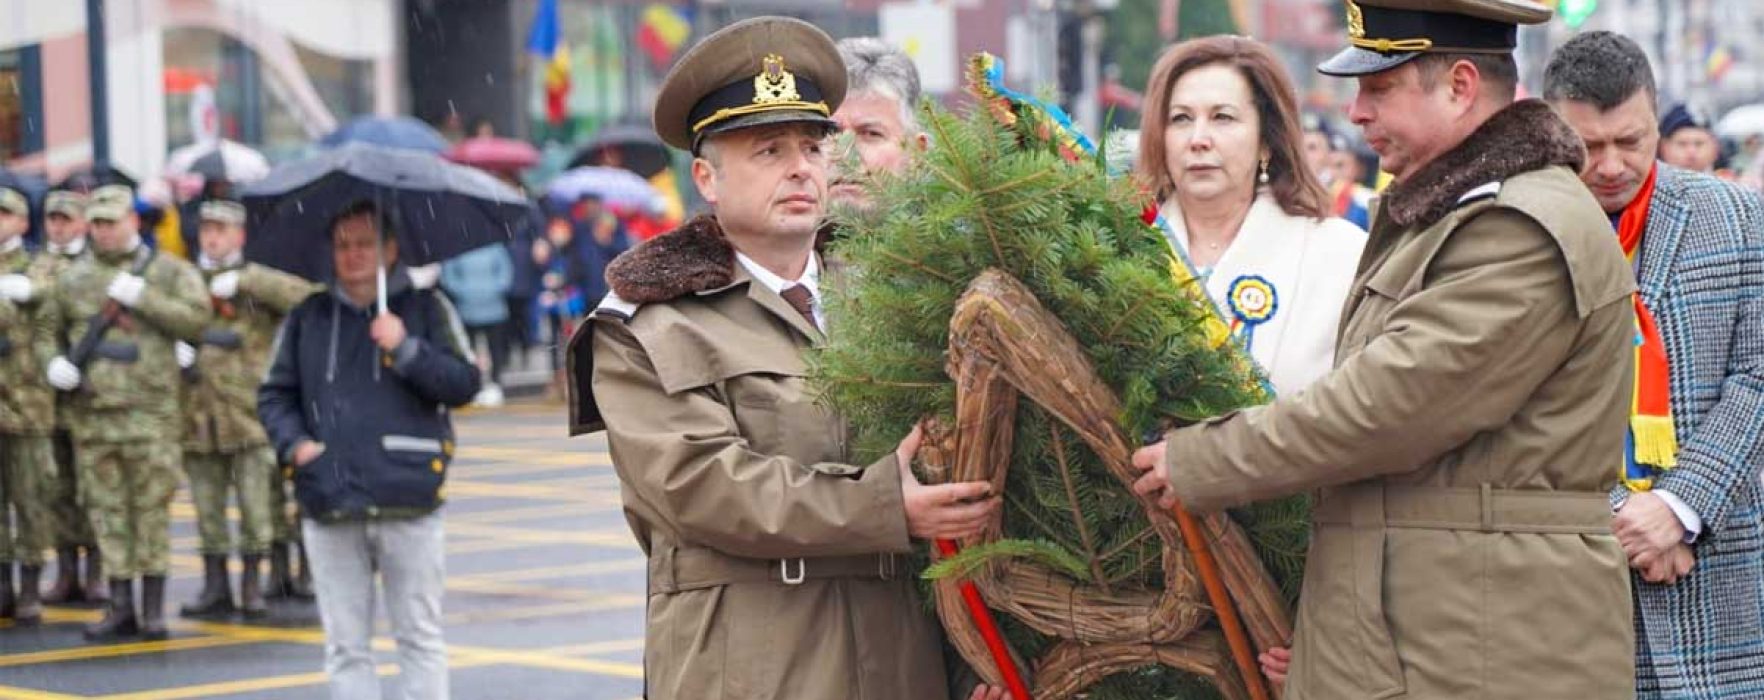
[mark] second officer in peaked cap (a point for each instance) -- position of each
(1463, 451)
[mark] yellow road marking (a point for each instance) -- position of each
(209, 690)
(518, 513)
(113, 650)
(549, 572)
(611, 602)
(593, 648)
(618, 539)
(11, 693)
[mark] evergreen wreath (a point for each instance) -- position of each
(1007, 288)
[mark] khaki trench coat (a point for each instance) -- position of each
(1460, 454)
(735, 483)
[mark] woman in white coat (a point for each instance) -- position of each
(1219, 146)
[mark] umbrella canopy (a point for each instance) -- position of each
(1741, 122)
(396, 132)
(96, 176)
(617, 188)
(438, 209)
(638, 150)
(494, 153)
(221, 160)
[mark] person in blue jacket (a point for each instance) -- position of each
(478, 283)
(358, 403)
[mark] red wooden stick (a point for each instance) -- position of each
(982, 616)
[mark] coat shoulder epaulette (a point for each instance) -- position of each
(612, 307)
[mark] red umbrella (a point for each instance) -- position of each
(494, 153)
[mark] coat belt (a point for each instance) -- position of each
(1483, 509)
(673, 569)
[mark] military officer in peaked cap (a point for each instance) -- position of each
(1463, 448)
(775, 565)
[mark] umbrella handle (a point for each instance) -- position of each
(380, 277)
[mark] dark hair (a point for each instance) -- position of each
(1600, 68)
(1500, 73)
(1294, 186)
(365, 208)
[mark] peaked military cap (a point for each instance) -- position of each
(1684, 116)
(223, 211)
(765, 70)
(1384, 34)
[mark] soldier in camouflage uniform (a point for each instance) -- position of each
(27, 415)
(224, 443)
(124, 412)
(65, 224)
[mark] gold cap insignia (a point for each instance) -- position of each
(1356, 23)
(774, 84)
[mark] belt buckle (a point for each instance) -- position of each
(885, 567)
(784, 571)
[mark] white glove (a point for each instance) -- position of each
(63, 375)
(224, 285)
(16, 288)
(126, 289)
(424, 276)
(186, 354)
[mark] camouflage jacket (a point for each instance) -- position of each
(129, 390)
(45, 269)
(220, 392)
(27, 403)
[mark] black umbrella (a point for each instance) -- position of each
(639, 150)
(94, 177)
(438, 209)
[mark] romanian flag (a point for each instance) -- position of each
(1717, 62)
(661, 33)
(545, 41)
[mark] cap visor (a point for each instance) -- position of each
(783, 116)
(1355, 61)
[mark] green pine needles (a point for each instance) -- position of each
(1006, 195)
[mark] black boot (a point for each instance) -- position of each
(216, 599)
(153, 608)
(303, 583)
(96, 593)
(281, 577)
(67, 578)
(8, 606)
(119, 616)
(30, 601)
(251, 589)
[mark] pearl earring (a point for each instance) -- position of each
(1264, 176)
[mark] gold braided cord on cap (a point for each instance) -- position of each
(731, 112)
(1389, 45)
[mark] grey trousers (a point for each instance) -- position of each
(409, 555)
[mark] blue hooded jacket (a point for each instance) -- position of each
(382, 418)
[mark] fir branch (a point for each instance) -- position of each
(1077, 508)
(922, 267)
(971, 559)
(980, 211)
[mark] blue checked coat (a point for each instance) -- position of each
(1702, 276)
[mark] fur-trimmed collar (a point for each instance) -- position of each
(1525, 136)
(692, 258)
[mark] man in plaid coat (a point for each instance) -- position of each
(1690, 516)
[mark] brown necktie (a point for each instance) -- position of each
(800, 299)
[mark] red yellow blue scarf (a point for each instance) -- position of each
(1653, 443)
